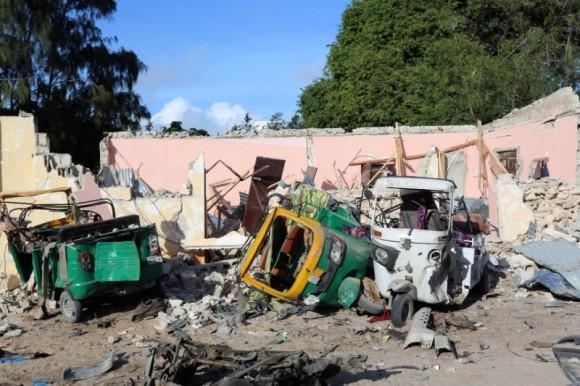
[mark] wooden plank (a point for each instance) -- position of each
(390, 161)
(399, 159)
(33, 193)
(449, 149)
(383, 167)
(442, 163)
(481, 157)
(496, 166)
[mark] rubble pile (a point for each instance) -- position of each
(14, 302)
(556, 205)
(196, 294)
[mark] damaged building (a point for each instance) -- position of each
(195, 176)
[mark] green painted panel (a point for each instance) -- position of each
(117, 261)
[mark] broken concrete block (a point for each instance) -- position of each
(514, 216)
(173, 303)
(113, 339)
(4, 328)
(551, 233)
(163, 320)
(12, 333)
(51, 305)
(224, 330)
(517, 261)
(118, 193)
(522, 275)
(9, 282)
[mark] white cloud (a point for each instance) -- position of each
(221, 116)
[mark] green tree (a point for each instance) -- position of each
(245, 125)
(56, 63)
(174, 127)
(198, 132)
(276, 122)
(296, 122)
(443, 61)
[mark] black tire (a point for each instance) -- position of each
(70, 309)
(402, 309)
(369, 306)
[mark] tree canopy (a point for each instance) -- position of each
(443, 61)
(56, 63)
(177, 127)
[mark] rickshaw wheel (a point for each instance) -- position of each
(70, 308)
(402, 309)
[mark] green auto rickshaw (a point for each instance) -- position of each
(315, 249)
(78, 255)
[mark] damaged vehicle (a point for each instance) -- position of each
(316, 250)
(78, 255)
(188, 362)
(426, 246)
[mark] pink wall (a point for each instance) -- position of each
(163, 163)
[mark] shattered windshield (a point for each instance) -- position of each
(411, 209)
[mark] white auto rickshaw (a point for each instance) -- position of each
(424, 248)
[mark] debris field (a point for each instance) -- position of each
(451, 257)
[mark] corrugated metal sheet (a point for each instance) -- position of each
(558, 255)
(125, 177)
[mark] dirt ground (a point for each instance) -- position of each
(498, 352)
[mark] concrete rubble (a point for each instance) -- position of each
(556, 208)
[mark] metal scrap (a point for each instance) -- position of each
(190, 362)
(419, 333)
(443, 344)
(559, 256)
(570, 339)
(149, 308)
(80, 373)
(569, 361)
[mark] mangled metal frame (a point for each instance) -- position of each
(190, 362)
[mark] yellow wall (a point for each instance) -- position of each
(21, 169)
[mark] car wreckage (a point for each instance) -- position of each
(188, 362)
(315, 250)
(425, 244)
(78, 255)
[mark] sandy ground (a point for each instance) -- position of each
(484, 355)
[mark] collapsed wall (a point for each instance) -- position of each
(545, 131)
(26, 164)
(556, 207)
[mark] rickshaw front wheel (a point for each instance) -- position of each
(70, 308)
(402, 309)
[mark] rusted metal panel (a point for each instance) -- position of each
(267, 171)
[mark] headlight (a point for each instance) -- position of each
(381, 256)
(385, 256)
(336, 250)
(154, 245)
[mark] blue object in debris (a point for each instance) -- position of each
(42, 382)
(559, 256)
(554, 282)
(13, 360)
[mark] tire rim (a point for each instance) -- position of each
(67, 307)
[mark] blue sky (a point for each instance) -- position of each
(210, 61)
